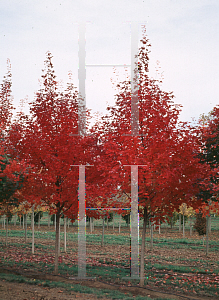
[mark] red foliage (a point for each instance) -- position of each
(48, 143)
(166, 150)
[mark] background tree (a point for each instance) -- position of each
(210, 152)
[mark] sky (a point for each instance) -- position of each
(184, 38)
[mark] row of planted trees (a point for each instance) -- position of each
(41, 153)
(202, 225)
(185, 215)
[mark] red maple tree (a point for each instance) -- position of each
(11, 168)
(166, 150)
(49, 143)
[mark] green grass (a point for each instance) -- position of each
(115, 271)
(110, 239)
(156, 274)
(71, 287)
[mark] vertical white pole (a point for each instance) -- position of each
(134, 222)
(32, 219)
(82, 225)
(65, 234)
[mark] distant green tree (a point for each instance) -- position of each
(210, 152)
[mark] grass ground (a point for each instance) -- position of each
(175, 265)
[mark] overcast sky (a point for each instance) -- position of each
(184, 36)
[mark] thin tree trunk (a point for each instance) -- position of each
(207, 235)
(119, 222)
(159, 227)
(113, 220)
(183, 225)
(55, 221)
(32, 229)
(23, 220)
(102, 242)
(180, 229)
(143, 248)
(4, 222)
(93, 222)
(68, 222)
(39, 220)
(15, 219)
(209, 224)
(190, 226)
(152, 228)
(91, 225)
(65, 221)
(32, 218)
(48, 219)
(171, 222)
(107, 222)
(6, 240)
(57, 244)
(59, 236)
(20, 222)
(25, 228)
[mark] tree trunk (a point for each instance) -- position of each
(32, 230)
(48, 219)
(4, 222)
(32, 218)
(183, 225)
(39, 220)
(113, 220)
(159, 227)
(59, 236)
(25, 228)
(57, 244)
(107, 222)
(209, 224)
(6, 240)
(68, 222)
(20, 222)
(55, 221)
(119, 222)
(152, 229)
(180, 229)
(171, 222)
(15, 219)
(143, 249)
(190, 226)
(102, 242)
(207, 235)
(65, 221)
(91, 226)
(93, 222)
(23, 220)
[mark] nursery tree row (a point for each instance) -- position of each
(41, 152)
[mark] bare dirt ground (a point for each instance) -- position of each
(22, 291)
